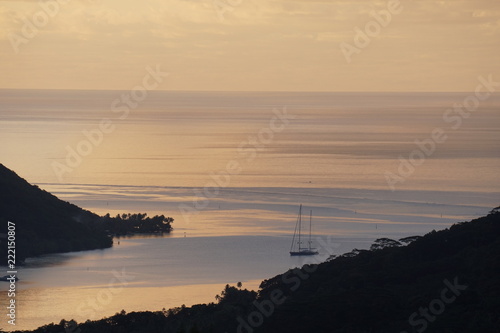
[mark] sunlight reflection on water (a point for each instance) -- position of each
(331, 158)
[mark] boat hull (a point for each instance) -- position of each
(303, 253)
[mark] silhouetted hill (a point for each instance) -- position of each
(45, 224)
(403, 288)
(445, 281)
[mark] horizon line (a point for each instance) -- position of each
(259, 91)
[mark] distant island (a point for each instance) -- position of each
(445, 281)
(46, 224)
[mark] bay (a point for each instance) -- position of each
(152, 273)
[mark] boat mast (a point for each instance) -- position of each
(297, 226)
(300, 223)
(310, 227)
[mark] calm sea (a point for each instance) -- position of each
(232, 169)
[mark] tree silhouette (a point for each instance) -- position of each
(383, 243)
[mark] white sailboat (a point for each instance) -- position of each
(302, 251)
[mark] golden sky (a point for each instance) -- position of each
(283, 45)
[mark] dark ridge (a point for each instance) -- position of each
(44, 223)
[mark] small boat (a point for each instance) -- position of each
(302, 251)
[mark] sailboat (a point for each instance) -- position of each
(302, 251)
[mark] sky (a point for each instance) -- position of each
(250, 45)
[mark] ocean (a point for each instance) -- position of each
(231, 168)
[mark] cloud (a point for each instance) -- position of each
(283, 44)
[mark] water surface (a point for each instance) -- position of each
(170, 155)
